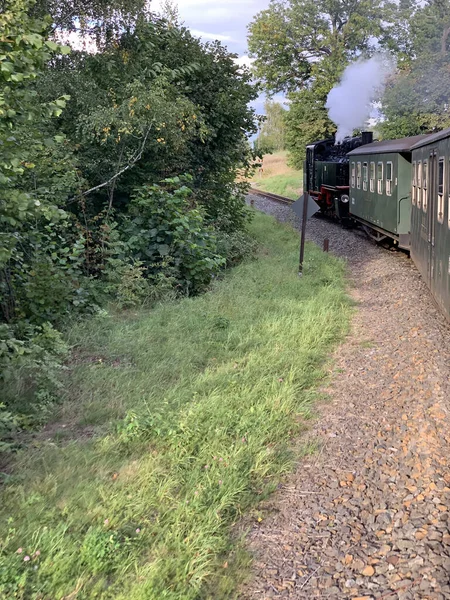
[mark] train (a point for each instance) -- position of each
(396, 190)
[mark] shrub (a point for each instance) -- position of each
(31, 361)
(224, 204)
(127, 283)
(162, 223)
(8, 425)
(235, 246)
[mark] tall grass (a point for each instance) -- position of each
(194, 405)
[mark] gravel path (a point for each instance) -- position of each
(368, 517)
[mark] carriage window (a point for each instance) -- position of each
(414, 177)
(353, 174)
(448, 208)
(425, 186)
(419, 184)
(358, 175)
(372, 176)
(365, 176)
(440, 206)
(389, 178)
(380, 177)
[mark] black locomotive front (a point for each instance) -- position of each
(326, 173)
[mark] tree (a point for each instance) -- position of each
(84, 216)
(296, 42)
(170, 13)
(24, 51)
(102, 18)
(156, 104)
(272, 135)
(417, 99)
(306, 121)
(301, 47)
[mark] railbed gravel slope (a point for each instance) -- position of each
(368, 516)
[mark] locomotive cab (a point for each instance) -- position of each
(326, 173)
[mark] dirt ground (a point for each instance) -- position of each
(368, 516)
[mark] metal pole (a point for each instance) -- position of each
(303, 236)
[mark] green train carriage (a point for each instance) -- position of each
(430, 214)
(380, 188)
(397, 190)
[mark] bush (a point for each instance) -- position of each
(130, 287)
(236, 246)
(224, 204)
(31, 361)
(8, 425)
(162, 223)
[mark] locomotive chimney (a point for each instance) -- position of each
(366, 137)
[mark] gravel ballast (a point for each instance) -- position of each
(368, 516)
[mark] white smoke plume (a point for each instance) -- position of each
(350, 103)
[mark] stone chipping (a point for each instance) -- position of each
(367, 517)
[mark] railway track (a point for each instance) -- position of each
(274, 197)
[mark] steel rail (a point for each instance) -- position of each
(274, 197)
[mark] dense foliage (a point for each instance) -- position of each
(301, 48)
(417, 99)
(94, 205)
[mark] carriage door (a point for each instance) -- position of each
(428, 211)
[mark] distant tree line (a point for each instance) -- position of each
(272, 132)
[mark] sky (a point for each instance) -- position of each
(223, 20)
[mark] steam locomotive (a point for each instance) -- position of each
(397, 190)
(326, 173)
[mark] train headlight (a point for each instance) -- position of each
(345, 199)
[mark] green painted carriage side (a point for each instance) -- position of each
(430, 229)
(390, 213)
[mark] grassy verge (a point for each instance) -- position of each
(194, 405)
(278, 178)
(288, 186)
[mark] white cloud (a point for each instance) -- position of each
(214, 11)
(244, 61)
(212, 36)
(223, 20)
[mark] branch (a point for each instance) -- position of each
(111, 193)
(444, 39)
(137, 157)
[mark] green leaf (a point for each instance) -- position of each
(52, 45)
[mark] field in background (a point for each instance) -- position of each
(177, 421)
(277, 177)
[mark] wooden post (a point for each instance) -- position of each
(326, 245)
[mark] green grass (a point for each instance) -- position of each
(278, 177)
(284, 185)
(195, 405)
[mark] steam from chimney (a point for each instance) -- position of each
(349, 103)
